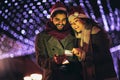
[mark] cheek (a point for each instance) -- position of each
(73, 26)
(55, 22)
(64, 22)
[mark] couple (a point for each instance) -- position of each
(87, 42)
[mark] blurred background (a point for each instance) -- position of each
(21, 20)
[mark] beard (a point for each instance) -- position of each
(60, 26)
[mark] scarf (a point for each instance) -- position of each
(84, 37)
(58, 34)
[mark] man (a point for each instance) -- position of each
(50, 47)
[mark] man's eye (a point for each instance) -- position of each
(56, 19)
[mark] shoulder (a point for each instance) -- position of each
(41, 35)
(95, 30)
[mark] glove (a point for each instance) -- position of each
(59, 59)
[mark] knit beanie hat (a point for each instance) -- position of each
(58, 6)
(77, 11)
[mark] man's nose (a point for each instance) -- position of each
(61, 22)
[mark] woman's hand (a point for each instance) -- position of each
(79, 53)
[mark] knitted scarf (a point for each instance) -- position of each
(58, 34)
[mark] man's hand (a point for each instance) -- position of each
(59, 59)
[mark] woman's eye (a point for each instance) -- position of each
(76, 20)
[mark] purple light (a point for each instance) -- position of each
(16, 4)
(40, 15)
(33, 7)
(45, 11)
(23, 32)
(5, 16)
(31, 4)
(26, 40)
(30, 11)
(41, 8)
(50, 0)
(30, 20)
(31, 27)
(13, 24)
(18, 15)
(26, 16)
(15, 34)
(35, 0)
(13, 0)
(17, 7)
(44, 1)
(24, 13)
(6, 10)
(38, 3)
(25, 21)
(9, 4)
(25, 6)
(9, 13)
(0, 12)
(36, 10)
(6, 1)
(36, 31)
(48, 16)
(18, 28)
(21, 37)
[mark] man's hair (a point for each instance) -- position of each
(58, 12)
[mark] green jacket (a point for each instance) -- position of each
(46, 46)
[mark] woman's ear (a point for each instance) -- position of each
(51, 19)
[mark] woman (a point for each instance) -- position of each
(94, 44)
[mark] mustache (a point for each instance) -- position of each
(60, 24)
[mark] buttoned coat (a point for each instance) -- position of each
(46, 47)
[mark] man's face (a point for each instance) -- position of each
(59, 21)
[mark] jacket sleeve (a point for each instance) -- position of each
(101, 46)
(41, 53)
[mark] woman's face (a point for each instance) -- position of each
(76, 23)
